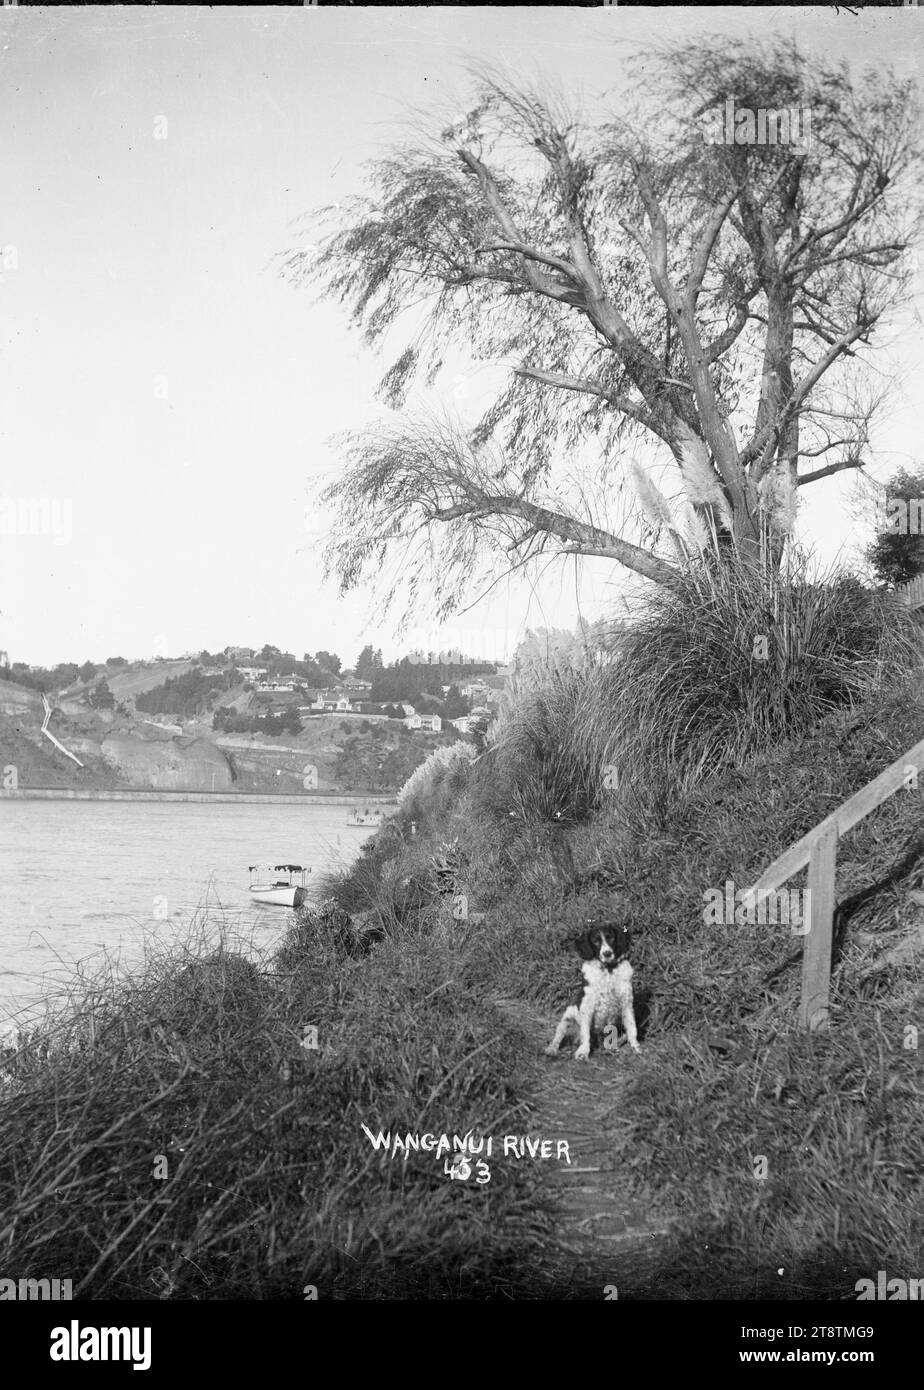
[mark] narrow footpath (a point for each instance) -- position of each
(604, 1234)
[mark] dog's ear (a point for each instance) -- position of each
(584, 946)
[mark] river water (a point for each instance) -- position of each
(87, 880)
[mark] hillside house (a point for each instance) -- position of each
(426, 723)
(330, 704)
(327, 702)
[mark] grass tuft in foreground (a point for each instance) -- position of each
(179, 1135)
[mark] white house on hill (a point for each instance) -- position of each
(427, 723)
(332, 704)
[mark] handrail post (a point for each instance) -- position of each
(816, 949)
(818, 850)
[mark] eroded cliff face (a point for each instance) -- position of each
(176, 764)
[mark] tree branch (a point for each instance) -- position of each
(713, 227)
(709, 425)
(729, 335)
(543, 257)
(582, 537)
(636, 410)
(760, 447)
(828, 470)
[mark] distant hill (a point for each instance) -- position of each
(123, 747)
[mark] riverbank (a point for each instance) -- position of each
(94, 877)
(736, 1158)
(139, 794)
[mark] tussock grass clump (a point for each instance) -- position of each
(437, 783)
(542, 763)
(740, 657)
(134, 1134)
(185, 1133)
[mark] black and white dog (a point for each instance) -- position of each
(606, 993)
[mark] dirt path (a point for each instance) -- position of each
(602, 1232)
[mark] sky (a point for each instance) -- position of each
(169, 397)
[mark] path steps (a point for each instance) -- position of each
(583, 1102)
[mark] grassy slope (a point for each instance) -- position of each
(271, 1184)
(127, 682)
(837, 1116)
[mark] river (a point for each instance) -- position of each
(87, 880)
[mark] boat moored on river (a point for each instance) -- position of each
(280, 885)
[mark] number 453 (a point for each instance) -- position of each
(461, 1168)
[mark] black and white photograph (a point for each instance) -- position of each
(462, 665)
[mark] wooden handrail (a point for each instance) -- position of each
(843, 819)
(818, 849)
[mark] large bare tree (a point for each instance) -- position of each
(695, 280)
